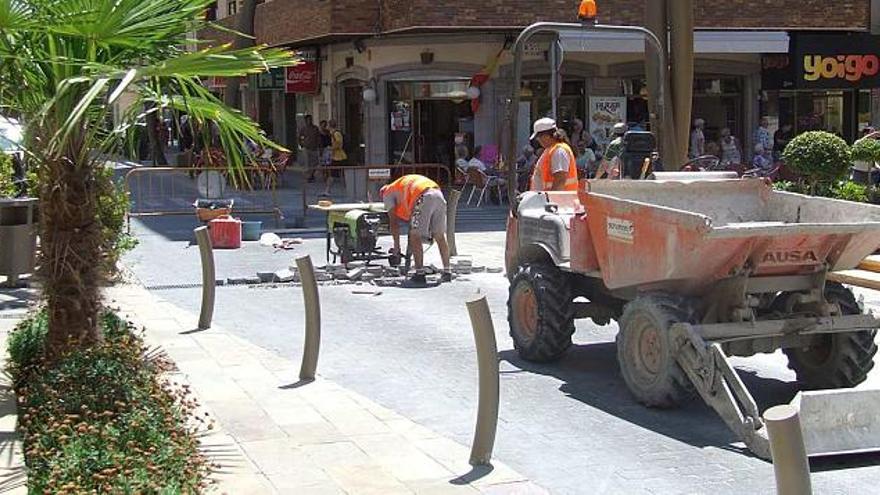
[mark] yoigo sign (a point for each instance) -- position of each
(837, 61)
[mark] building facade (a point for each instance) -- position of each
(399, 75)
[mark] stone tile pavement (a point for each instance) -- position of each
(277, 435)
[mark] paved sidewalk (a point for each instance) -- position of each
(13, 479)
(276, 435)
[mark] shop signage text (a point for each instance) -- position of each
(304, 77)
(837, 61)
(850, 67)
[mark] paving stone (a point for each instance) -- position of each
(266, 277)
(285, 276)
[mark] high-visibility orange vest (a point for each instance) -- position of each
(543, 168)
(410, 188)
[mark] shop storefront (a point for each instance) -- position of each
(824, 83)
(424, 119)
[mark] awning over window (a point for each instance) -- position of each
(704, 42)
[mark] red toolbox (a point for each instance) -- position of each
(225, 232)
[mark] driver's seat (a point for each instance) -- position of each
(637, 146)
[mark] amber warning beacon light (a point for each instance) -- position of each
(588, 10)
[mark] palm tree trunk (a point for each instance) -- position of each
(244, 24)
(70, 265)
(157, 144)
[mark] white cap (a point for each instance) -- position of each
(543, 125)
(619, 129)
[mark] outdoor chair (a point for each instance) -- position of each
(479, 180)
(463, 179)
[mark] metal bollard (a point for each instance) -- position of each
(487, 362)
(209, 281)
(789, 454)
(312, 303)
(451, 215)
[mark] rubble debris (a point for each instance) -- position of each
(355, 274)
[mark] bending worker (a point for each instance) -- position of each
(418, 200)
(556, 169)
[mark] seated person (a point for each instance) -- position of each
(761, 159)
(475, 161)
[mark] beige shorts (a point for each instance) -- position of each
(429, 214)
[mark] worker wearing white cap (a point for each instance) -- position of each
(556, 169)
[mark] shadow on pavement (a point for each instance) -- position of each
(476, 473)
(590, 375)
(15, 298)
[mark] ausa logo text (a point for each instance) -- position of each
(789, 257)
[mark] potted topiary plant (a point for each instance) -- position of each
(821, 158)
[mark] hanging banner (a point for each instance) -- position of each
(304, 77)
(605, 111)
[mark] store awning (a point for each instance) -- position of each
(704, 42)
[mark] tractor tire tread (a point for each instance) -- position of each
(555, 314)
(852, 353)
(667, 309)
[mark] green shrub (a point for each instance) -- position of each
(7, 177)
(788, 186)
(850, 191)
(818, 156)
(113, 206)
(25, 345)
(866, 150)
(103, 420)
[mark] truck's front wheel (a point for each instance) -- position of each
(645, 352)
(539, 312)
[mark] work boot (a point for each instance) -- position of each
(446, 277)
(417, 280)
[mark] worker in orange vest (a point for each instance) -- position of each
(418, 200)
(556, 169)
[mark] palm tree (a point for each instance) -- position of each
(64, 64)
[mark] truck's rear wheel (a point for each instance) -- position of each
(839, 360)
(645, 352)
(539, 312)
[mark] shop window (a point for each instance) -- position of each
(864, 110)
(571, 103)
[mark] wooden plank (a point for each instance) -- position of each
(871, 264)
(859, 278)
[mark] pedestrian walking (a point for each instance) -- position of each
(310, 141)
(419, 201)
(730, 149)
(781, 138)
(763, 137)
(698, 139)
(556, 169)
(336, 151)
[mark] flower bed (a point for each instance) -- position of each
(104, 419)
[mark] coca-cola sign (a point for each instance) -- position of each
(304, 77)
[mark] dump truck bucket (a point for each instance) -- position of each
(841, 421)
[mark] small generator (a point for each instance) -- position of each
(355, 234)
